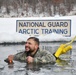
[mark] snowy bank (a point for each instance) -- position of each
(19, 38)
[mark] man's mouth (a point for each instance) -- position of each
(27, 48)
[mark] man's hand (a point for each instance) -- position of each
(10, 58)
(29, 59)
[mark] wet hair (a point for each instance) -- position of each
(35, 39)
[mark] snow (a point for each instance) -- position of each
(8, 29)
(53, 37)
(14, 37)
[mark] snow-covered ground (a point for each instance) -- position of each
(8, 29)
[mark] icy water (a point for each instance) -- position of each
(65, 66)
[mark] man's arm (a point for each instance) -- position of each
(18, 57)
(45, 57)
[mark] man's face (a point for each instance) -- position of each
(30, 45)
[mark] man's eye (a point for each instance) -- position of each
(25, 42)
(29, 43)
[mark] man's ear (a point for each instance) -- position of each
(36, 46)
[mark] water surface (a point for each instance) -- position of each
(66, 65)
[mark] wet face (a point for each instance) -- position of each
(31, 45)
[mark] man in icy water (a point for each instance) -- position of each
(33, 54)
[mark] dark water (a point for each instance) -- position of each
(64, 67)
